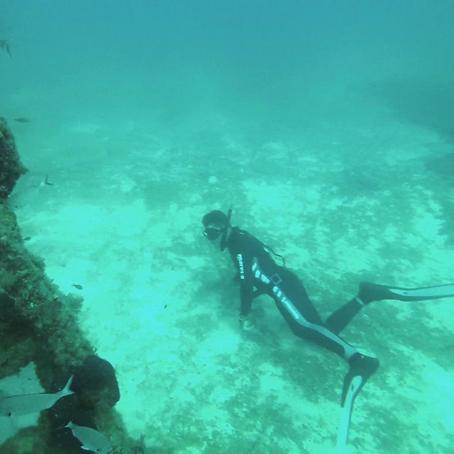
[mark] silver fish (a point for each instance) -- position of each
(5, 46)
(91, 439)
(25, 404)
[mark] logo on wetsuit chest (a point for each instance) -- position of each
(239, 258)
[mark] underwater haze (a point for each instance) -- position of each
(328, 127)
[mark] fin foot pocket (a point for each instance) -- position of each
(360, 366)
(369, 291)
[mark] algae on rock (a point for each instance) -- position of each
(11, 167)
(39, 323)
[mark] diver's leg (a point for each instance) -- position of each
(294, 304)
(369, 292)
(312, 330)
(303, 319)
(341, 317)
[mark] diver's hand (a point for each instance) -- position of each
(245, 323)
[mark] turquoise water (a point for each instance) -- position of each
(328, 126)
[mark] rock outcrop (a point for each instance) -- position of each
(38, 323)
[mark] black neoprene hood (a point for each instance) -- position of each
(215, 218)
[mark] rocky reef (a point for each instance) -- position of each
(38, 324)
(11, 167)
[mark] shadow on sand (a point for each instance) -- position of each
(427, 103)
(430, 104)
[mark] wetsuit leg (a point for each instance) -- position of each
(304, 321)
(341, 317)
(369, 292)
(294, 304)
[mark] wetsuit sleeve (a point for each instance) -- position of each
(246, 286)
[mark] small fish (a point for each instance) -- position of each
(5, 46)
(78, 286)
(46, 182)
(91, 439)
(25, 404)
(22, 120)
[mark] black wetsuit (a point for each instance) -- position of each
(259, 274)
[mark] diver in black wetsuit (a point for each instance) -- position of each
(259, 274)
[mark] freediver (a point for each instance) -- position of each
(260, 274)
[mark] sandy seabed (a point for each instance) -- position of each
(122, 220)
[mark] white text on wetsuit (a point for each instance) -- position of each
(239, 257)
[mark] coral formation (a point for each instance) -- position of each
(11, 167)
(39, 323)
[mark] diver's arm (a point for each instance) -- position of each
(246, 286)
